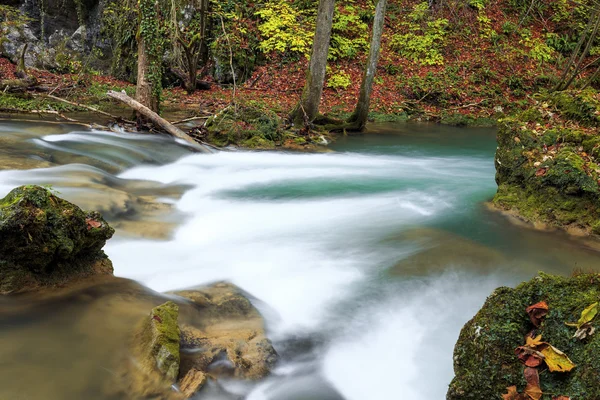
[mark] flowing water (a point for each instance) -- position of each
(365, 262)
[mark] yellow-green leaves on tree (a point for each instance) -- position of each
(584, 327)
(556, 360)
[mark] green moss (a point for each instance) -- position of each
(484, 360)
(542, 172)
(457, 119)
(160, 341)
(47, 240)
(251, 125)
(581, 106)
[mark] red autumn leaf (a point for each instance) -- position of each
(157, 318)
(531, 376)
(529, 357)
(540, 172)
(537, 312)
(92, 223)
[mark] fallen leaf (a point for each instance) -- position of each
(512, 394)
(533, 342)
(92, 223)
(561, 398)
(529, 357)
(540, 172)
(588, 315)
(585, 331)
(556, 360)
(531, 376)
(539, 310)
(533, 391)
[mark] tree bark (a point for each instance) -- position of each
(144, 91)
(308, 107)
(361, 112)
(156, 119)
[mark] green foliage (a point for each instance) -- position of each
(10, 18)
(289, 29)
(425, 38)
(339, 80)
(285, 29)
(240, 37)
(538, 49)
(349, 33)
(153, 36)
(478, 4)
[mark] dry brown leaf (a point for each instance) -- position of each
(561, 398)
(512, 394)
(533, 392)
(537, 312)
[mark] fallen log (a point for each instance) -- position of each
(156, 119)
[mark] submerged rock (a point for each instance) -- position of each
(485, 363)
(211, 333)
(227, 340)
(45, 241)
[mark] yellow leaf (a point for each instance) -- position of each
(556, 360)
(587, 315)
(533, 342)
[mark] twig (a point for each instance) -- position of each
(230, 62)
(115, 117)
(181, 121)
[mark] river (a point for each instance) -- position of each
(365, 262)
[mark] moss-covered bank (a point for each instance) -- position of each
(485, 363)
(547, 161)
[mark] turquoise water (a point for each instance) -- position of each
(365, 262)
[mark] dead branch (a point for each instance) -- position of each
(156, 119)
(115, 117)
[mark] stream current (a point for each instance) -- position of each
(365, 262)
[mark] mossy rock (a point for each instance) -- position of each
(251, 125)
(484, 359)
(45, 240)
(546, 172)
(159, 341)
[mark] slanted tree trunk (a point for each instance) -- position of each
(308, 107)
(361, 112)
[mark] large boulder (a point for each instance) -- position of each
(547, 162)
(46, 241)
(485, 363)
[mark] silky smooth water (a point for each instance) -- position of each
(365, 262)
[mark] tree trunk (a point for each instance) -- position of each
(149, 73)
(361, 112)
(308, 107)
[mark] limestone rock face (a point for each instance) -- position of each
(45, 240)
(485, 363)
